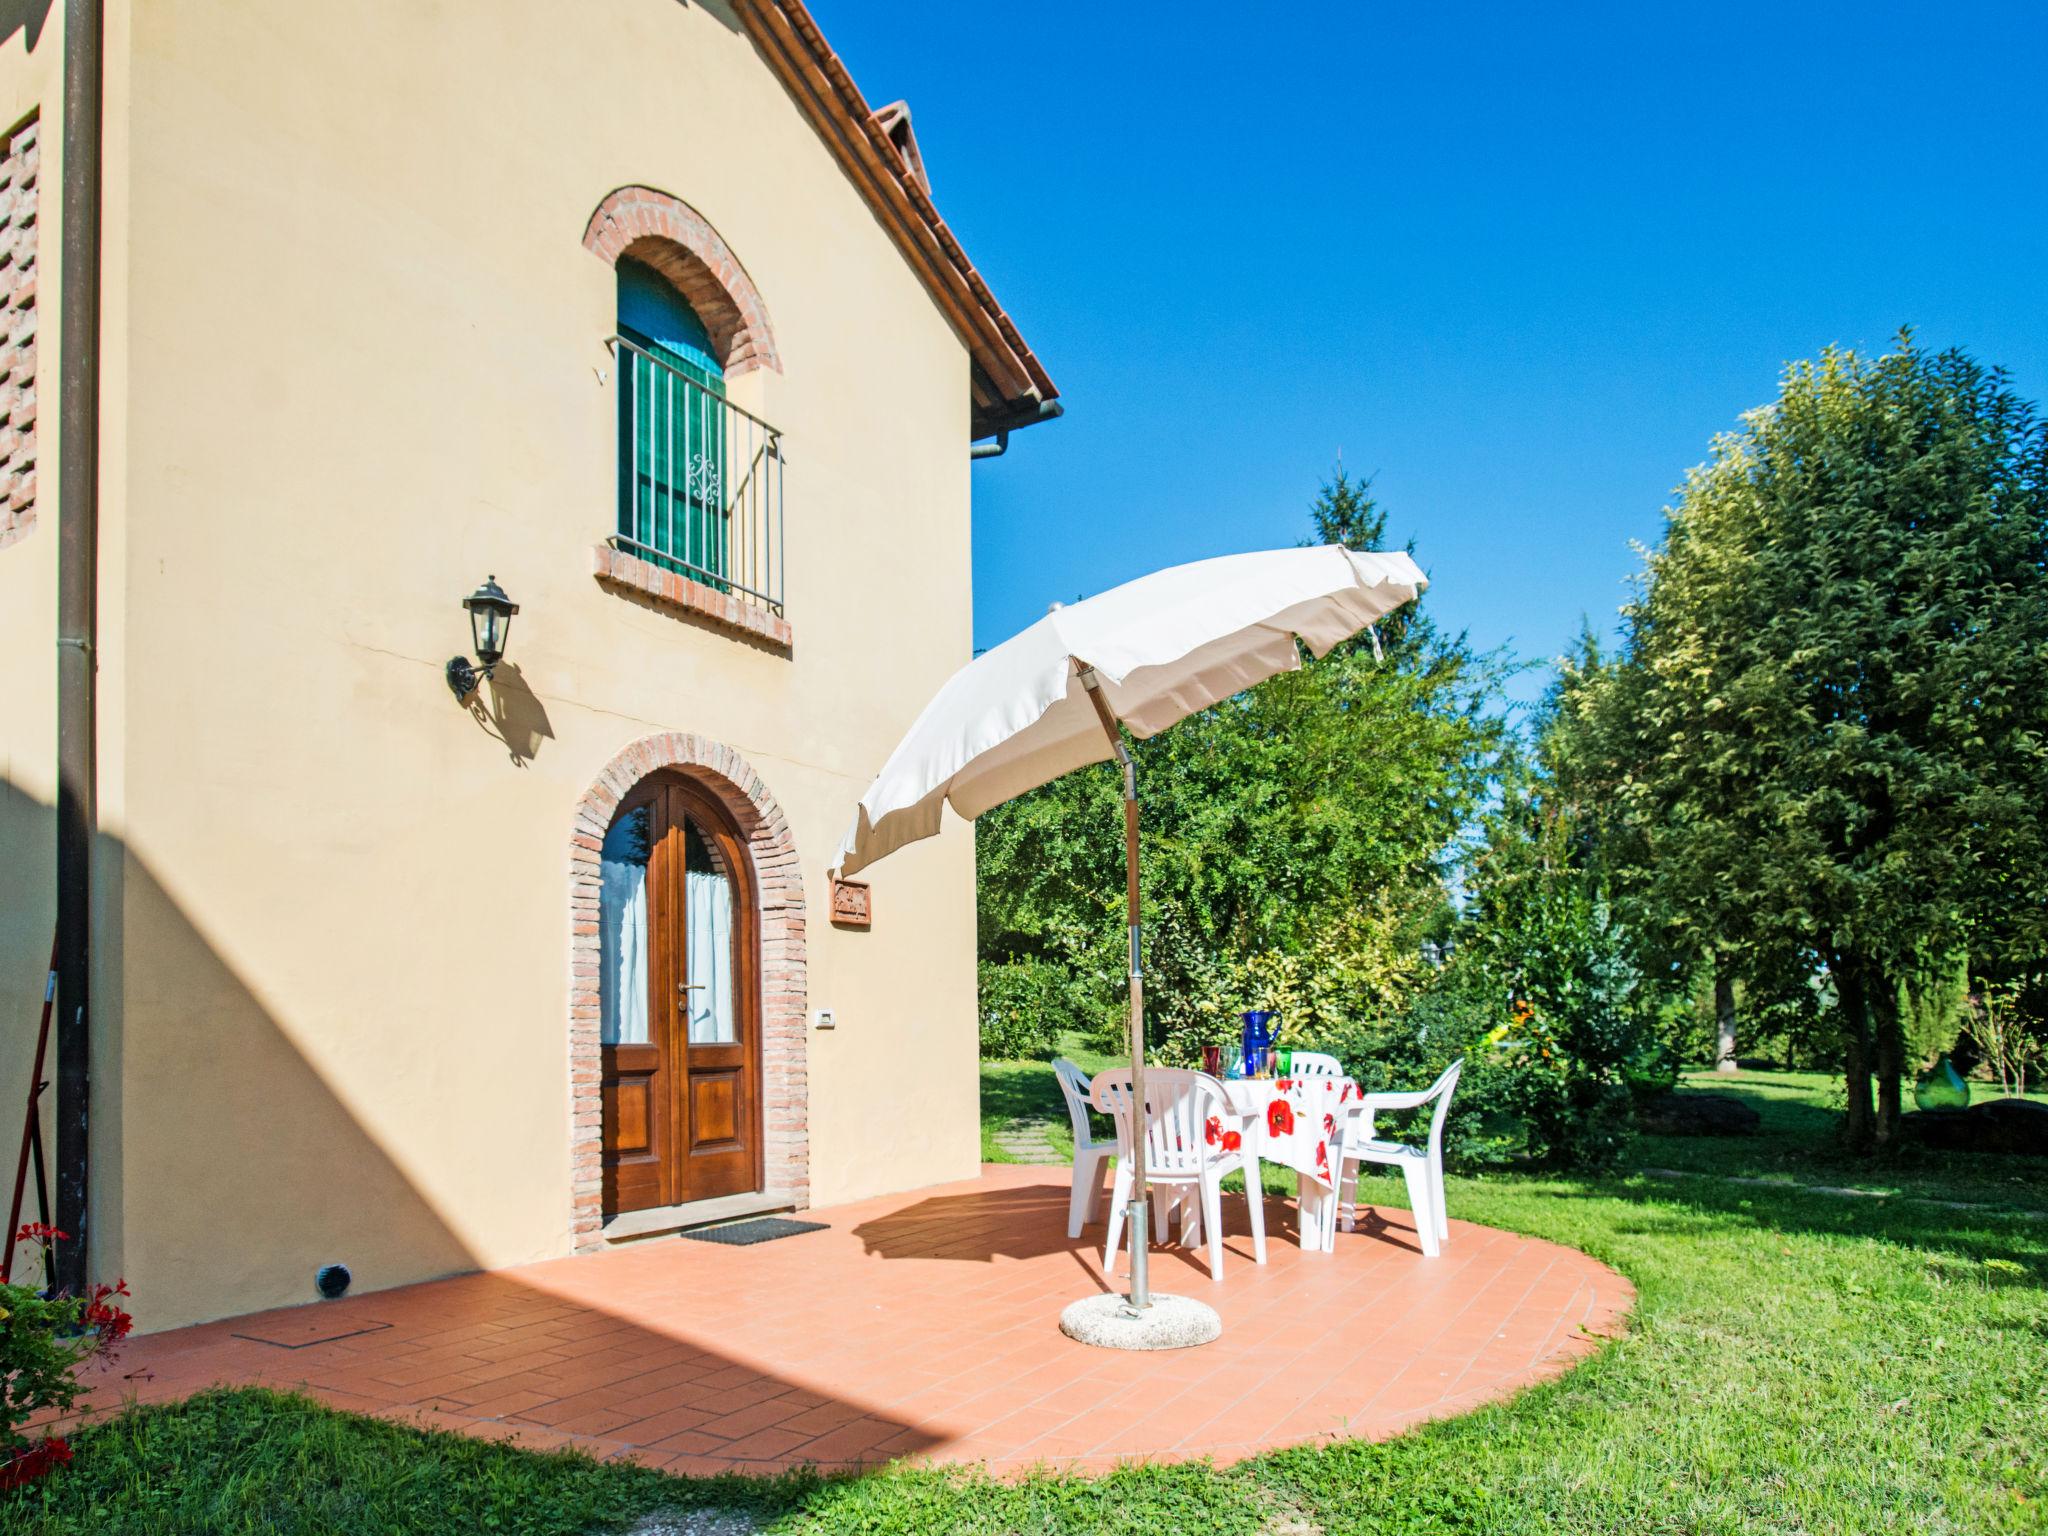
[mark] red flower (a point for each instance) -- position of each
(1285, 1084)
(1329, 1125)
(1323, 1157)
(110, 1322)
(1213, 1132)
(1346, 1093)
(1232, 1141)
(1279, 1118)
(38, 1232)
(26, 1465)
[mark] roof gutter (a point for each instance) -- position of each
(78, 460)
(1029, 414)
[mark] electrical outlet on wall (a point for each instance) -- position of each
(823, 1019)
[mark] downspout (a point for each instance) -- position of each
(78, 459)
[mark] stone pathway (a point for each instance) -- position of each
(710, 1521)
(1025, 1141)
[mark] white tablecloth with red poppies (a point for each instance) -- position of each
(1294, 1121)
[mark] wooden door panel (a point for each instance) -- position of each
(633, 1164)
(636, 1079)
(721, 1132)
(626, 1108)
(714, 1110)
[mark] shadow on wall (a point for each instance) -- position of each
(227, 1171)
(722, 12)
(243, 1172)
(28, 16)
(510, 713)
(28, 917)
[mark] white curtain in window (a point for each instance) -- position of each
(622, 939)
(707, 904)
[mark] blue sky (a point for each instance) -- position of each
(1519, 263)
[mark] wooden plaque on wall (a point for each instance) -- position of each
(852, 904)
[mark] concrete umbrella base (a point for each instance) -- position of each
(1171, 1322)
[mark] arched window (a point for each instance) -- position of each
(672, 430)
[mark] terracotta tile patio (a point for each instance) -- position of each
(924, 1326)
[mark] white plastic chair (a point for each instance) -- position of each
(1315, 1064)
(1422, 1167)
(1179, 1156)
(1089, 1154)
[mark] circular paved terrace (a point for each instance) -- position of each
(925, 1326)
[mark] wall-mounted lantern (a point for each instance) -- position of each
(490, 620)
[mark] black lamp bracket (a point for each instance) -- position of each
(464, 676)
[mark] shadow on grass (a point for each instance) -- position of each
(250, 1459)
(2009, 1247)
(1020, 1090)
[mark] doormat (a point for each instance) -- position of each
(762, 1229)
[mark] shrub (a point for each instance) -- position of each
(1026, 1005)
(1557, 1043)
(44, 1343)
(1356, 965)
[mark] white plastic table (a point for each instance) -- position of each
(1294, 1122)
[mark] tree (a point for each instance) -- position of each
(1825, 734)
(1542, 923)
(1296, 837)
(1724, 1019)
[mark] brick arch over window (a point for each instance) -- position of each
(679, 243)
(785, 1096)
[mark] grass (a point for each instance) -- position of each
(1020, 1093)
(1797, 1146)
(1797, 1362)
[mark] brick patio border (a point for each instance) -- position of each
(778, 879)
(679, 243)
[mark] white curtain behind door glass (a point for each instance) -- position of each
(707, 909)
(622, 930)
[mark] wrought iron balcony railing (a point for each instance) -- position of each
(700, 480)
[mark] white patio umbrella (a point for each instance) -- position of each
(1145, 654)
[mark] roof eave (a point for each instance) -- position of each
(1008, 379)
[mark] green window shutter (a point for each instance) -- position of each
(672, 430)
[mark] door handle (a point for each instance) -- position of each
(691, 986)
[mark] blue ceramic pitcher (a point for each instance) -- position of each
(1258, 1038)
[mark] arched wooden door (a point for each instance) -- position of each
(679, 1002)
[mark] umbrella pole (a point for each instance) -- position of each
(1141, 1204)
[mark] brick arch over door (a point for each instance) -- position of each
(679, 243)
(785, 1099)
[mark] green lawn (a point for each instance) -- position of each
(1798, 1362)
(1799, 1109)
(1020, 1092)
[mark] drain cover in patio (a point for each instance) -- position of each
(762, 1229)
(309, 1325)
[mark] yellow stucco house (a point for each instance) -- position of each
(378, 970)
